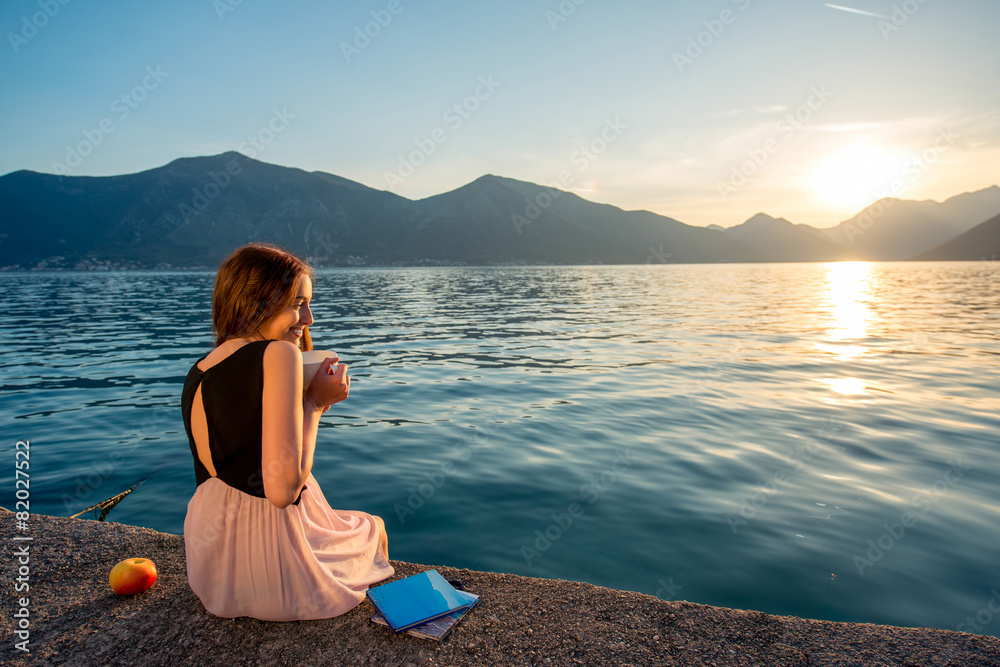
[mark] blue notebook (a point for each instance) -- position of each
(417, 599)
(439, 628)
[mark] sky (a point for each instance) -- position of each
(706, 112)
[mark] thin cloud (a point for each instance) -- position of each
(851, 127)
(732, 113)
(855, 11)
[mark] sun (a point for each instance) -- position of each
(856, 176)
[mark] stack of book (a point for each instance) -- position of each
(424, 605)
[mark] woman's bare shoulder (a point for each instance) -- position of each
(282, 369)
(282, 353)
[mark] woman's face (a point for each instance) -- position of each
(287, 323)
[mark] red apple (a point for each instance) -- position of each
(133, 575)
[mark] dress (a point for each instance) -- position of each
(246, 557)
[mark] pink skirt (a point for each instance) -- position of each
(246, 557)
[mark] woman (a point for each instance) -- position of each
(260, 538)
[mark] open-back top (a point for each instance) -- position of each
(230, 392)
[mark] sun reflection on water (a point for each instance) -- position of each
(848, 296)
(846, 386)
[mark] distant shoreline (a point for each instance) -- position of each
(430, 265)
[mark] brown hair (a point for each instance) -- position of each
(251, 286)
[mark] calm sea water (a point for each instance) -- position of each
(810, 439)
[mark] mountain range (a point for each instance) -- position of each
(192, 212)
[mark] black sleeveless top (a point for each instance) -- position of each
(232, 393)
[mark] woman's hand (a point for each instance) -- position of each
(331, 384)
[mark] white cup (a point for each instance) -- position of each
(311, 361)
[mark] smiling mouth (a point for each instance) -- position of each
(296, 331)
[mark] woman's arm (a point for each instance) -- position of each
(288, 433)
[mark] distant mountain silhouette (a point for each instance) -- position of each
(780, 240)
(509, 220)
(894, 229)
(982, 242)
(193, 212)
